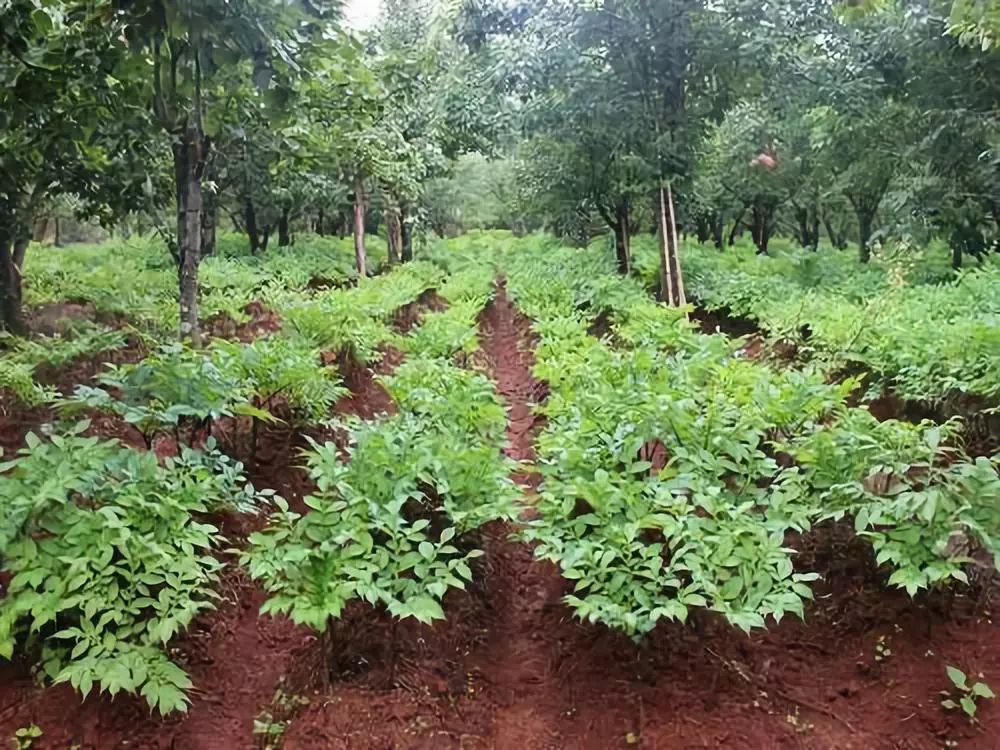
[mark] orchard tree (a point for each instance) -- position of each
(746, 166)
(69, 126)
(182, 45)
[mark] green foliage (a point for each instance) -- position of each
(174, 386)
(912, 498)
(280, 368)
(661, 488)
(19, 362)
(110, 560)
(354, 322)
(135, 279)
(968, 695)
(25, 737)
(18, 378)
(918, 340)
(443, 334)
(391, 527)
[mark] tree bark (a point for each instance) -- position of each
(360, 256)
(622, 230)
(209, 223)
(865, 207)
(717, 231)
(406, 235)
(761, 215)
(704, 230)
(188, 169)
(835, 238)
(671, 278)
(320, 218)
(11, 260)
(284, 236)
(253, 232)
(394, 235)
(864, 235)
(734, 232)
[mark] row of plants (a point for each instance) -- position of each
(919, 335)
(677, 476)
(112, 552)
(396, 525)
(130, 285)
(21, 358)
(136, 277)
(183, 392)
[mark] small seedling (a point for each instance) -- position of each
(25, 737)
(882, 650)
(967, 695)
(268, 731)
(800, 725)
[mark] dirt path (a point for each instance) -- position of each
(514, 667)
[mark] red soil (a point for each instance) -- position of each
(512, 670)
(263, 322)
(409, 316)
(17, 420)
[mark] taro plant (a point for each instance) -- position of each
(110, 556)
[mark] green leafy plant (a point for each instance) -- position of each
(175, 389)
(967, 695)
(277, 368)
(24, 738)
(391, 527)
(661, 488)
(109, 559)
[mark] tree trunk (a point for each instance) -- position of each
(671, 278)
(11, 260)
(187, 171)
(621, 228)
(406, 235)
(835, 239)
(253, 233)
(865, 207)
(320, 218)
(734, 232)
(704, 230)
(717, 231)
(761, 215)
(284, 236)
(209, 223)
(394, 234)
(864, 235)
(802, 226)
(359, 228)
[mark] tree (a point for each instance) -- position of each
(68, 126)
(183, 44)
(748, 169)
